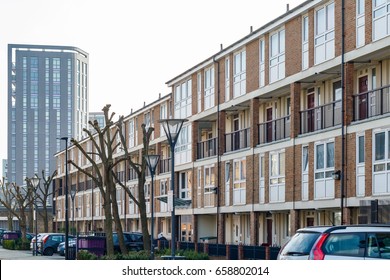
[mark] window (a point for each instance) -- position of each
(305, 173)
(227, 183)
(277, 56)
(183, 95)
(199, 91)
(277, 177)
(209, 88)
(262, 179)
(239, 74)
(163, 193)
(227, 79)
(163, 116)
(381, 19)
(324, 48)
(345, 244)
(378, 245)
(183, 146)
(262, 63)
(360, 23)
(131, 134)
(360, 165)
(323, 170)
(239, 181)
(185, 185)
(305, 42)
(381, 162)
(209, 185)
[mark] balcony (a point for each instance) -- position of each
(274, 130)
(207, 148)
(237, 140)
(371, 103)
(321, 117)
(131, 175)
(165, 165)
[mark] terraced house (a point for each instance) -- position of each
(281, 125)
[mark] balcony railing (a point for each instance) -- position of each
(237, 140)
(165, 165)
(131, 175)
(274, 130)
(321, 117)
(207, 148)
(371, 103)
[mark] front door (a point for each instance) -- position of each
(310, 113)
(269, 125)
(363, 102)
(237, 229)
(236, 136)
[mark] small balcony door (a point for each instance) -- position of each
(363, 87)
(310, 113)
(269, 125)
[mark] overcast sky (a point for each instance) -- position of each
(134, 47)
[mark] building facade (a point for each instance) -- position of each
(47, 100)
(287, 127)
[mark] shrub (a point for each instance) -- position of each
(22, 244)
(9, 244)
(141, 255)
(85, 255)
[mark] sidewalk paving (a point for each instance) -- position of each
(6, 254)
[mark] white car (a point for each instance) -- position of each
(348, 242)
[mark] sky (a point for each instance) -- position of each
(134, 47)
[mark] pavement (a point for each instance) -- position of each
(6, 254)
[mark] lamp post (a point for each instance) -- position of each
(172, 129)
(72, 196)
(35, 183)
(66, 199)
(152, 161)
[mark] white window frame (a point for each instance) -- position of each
(381, 166)
(360, 166)
(277, 69)
(227, 79)
(227, 183)
(277, 176)
(305, 42)
(360, 23)
(183, 145)
(262, 178)
(163, 116)
(239, 73)
(239, 182)
(199, 92)
(184, 190)
(164, 188)
(380, 19)
(305, 173)
(199, 187)
(324, 38)
(323, 180)
(209, 185)
(209, 99)
(262, 62)
(183, 99)
(132, 138)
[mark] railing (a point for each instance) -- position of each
(371, 103)
(131, 175)
(165, 165)
(274, 130)
(207, 148)
(237, 140)
(321, 117)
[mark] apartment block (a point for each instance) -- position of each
(287, 127)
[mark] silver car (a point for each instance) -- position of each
(348, 242)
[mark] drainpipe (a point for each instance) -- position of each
(218, 154)
(342, 187)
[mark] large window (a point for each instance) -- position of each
(131, 134)
(277, 56)
(227, 79)
(360, 165)
(239, 74)
(209, 185)
(380, 18)
(324, 45)
(262, 63)
(209, 88)
(183, 95)
(381, 161)
(239, 181)
(324, 168)
(183, 146)
(185, 184)
(277, 177)
(305, 42)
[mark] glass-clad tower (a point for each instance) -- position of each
(47, 100)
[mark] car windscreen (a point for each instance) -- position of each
(300, 244)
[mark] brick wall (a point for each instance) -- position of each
(252, 66)
(293, 39)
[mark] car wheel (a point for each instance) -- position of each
(48, 252)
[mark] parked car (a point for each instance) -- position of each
(40, 235)
(50, 243)
(133, 240)
(61, 246)
(348, 242)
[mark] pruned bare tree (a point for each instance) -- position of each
(44, 193)
(8, 198)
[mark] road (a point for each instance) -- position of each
(25, 255)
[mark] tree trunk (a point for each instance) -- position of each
(108, 224)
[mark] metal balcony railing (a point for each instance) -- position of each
(274, 130)
(237, 140)
(321, 117)
(165, 165)
(207, 148)
(371, 103)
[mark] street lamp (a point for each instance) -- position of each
(66, 199)
(35, 183)
(172, 129)
(152, 161)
